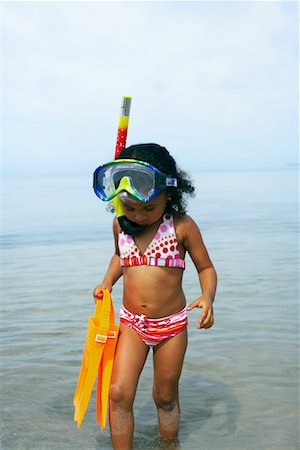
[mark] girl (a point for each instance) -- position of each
(154, 312)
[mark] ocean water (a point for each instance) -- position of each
(239, 388)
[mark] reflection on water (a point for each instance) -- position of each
(239, 386)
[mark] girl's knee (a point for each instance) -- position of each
(165, 398)
(120, 396)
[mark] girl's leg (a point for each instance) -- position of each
(168, 360)
(129, 361)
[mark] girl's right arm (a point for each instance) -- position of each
(114, 271)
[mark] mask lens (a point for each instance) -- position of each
(108, 178)
(104, 181)
(142, 181)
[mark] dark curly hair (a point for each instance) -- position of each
(160, 158)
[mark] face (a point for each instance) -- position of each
(148, 212)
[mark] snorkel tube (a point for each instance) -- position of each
(123, 125)
(126, 225)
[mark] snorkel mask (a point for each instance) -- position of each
(139, 179)
(128, 179)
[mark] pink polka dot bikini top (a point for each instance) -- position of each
(162, 250)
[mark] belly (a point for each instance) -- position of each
(153, 291)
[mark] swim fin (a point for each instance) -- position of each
(102, 331)
(104, 377)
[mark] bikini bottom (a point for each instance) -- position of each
(155, 331)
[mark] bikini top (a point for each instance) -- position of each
(162, 250)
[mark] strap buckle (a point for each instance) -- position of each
(102, 338)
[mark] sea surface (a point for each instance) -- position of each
(239, 388)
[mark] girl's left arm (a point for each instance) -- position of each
(194, 245)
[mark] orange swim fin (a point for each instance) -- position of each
(102, 331)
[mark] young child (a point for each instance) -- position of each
(154, 313)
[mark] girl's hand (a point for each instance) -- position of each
(97, 291)
(206, 319)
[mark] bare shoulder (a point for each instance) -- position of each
(184, 225)
(116, 226)
(116, 231)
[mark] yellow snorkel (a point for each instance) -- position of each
(127, 226)
(125, 185)
(121, 144)
(123, 125)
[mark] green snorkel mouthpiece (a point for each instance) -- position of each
(126, 225)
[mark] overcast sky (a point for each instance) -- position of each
(215, 82)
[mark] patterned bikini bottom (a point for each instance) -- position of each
(154, 331)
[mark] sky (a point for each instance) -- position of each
(214, 82)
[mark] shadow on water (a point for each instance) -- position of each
(203, 399)
(205, 404)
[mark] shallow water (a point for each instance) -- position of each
(239, 387)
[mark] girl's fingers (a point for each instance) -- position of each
(98, 294)
(206, 319)
(202, 321)
(192, 306)
(208, 322)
